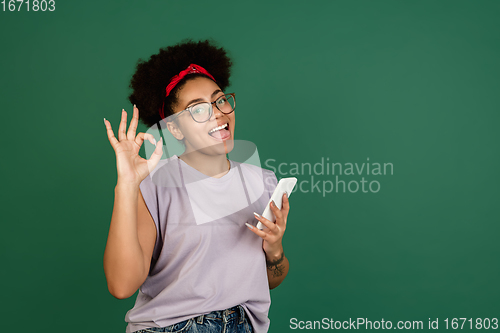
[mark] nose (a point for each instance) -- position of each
(216, 113)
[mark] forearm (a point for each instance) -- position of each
(277, 268)
(124, 265)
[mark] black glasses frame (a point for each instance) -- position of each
(211, 110)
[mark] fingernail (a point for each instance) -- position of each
(154, 140)
(249, 225)
(104, 121)
(286, 195)
(134, 106)
(254, 213)
(272, 203)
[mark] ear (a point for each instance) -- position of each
(175, 130)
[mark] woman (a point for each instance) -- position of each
(180, 236)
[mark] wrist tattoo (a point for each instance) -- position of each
(274, 265)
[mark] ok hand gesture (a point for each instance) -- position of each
(131, 167)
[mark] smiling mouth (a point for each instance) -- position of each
(220, 132)
(218, 128)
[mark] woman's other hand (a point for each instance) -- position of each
(131, 167)
(273, 235)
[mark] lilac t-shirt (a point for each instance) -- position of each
(205, 258)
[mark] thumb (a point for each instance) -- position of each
(156, 156)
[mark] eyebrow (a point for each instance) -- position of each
(201, 99)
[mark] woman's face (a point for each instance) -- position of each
(195, 135)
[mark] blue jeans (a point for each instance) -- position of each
(232, 320)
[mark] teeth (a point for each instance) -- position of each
(217, 128)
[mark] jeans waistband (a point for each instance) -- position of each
(236, 312)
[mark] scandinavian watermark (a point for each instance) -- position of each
(326, 177)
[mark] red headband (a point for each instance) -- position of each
(192, 68)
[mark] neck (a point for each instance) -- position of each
(214, 166)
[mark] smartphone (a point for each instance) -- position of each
(284, 185)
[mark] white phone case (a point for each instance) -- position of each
(284, 185)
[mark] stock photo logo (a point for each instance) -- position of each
(250, 184)
(327, 177)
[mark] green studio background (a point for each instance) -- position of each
(410, 83)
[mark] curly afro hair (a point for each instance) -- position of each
(152, 76)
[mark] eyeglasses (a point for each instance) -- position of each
(202, 112)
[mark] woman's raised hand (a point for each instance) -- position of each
(131, 167)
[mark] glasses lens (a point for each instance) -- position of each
(201, 112)
(226, 104)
